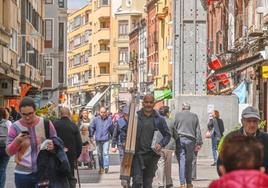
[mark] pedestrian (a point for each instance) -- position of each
(216, 127)
(9, 118)
(15, 115)
(84, 121)
(190, 140)
(120, 133)
(25, 137)
(164, 163)
(75, 117)
(102, 128)
(70, 135)
(250, 120)
(4, 158)
(146, 156)
(242, 164)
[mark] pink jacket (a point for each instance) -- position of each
(242, 179)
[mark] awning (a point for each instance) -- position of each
(96, 99)
(241, 65)
(162, 94)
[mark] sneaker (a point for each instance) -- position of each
(101, 171)
(189, 186)
(106, 170)
(169, 186)
(182, 186)
(214, 164)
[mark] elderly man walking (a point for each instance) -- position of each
(190, 140)
(102, 128)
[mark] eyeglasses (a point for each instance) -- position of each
(27, 114)
(148, 102)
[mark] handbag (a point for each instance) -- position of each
(208, 133)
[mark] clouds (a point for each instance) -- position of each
(75, 4)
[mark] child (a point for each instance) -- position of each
(88, 145)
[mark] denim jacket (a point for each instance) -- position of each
(102, 128)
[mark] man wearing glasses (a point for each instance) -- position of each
(25, 137)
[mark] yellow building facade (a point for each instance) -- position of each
(88, 53)
(164, 15)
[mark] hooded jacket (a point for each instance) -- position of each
(242, 179)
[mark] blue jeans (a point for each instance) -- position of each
(121, 152)
(26, 181)
(4, 158)
(215, 143)
(103, 154)
(185, 159)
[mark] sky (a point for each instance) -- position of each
(75, 4)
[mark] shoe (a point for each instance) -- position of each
(101, 171)
(189, 186)
(182, 186)
(214, 164)
(106, 170)
(169, 186)
(161, 187)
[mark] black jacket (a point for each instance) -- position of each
(260, 136)
(70, 135)
(54, 166)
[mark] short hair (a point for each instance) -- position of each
(164, 110)
(149, 95)
(27, 101)
(241, 152)
(3, 113)
(217, 113)
(186, 106)
(65, 112)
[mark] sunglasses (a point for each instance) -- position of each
(27, 114)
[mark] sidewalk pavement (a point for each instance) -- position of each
(91, 178)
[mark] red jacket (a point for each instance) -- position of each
(242, 179)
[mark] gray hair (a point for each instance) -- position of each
(186, 106)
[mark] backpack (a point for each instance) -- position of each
(3, 133)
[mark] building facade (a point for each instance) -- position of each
(89, 55)
(55, 53)
(10, 51)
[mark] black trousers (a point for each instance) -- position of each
(143, 170)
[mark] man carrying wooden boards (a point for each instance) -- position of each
(145, 159)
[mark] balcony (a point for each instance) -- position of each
(102, 34)
(162, 11)
(101, 79)
(102, 11)
(31, 75)
(102, 56)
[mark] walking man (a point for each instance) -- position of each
(188, 128)
(70, 135)
(102, 128)
(145, 160)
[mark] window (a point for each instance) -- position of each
(48, 76)
(104, 47)
(48, 33)
(61, 72)
(14, 40)
(86, 56)
(76, 79)
(86, 76)
(61, 36)
(88, 33)
(123, 29)
(61, 3)
(87, 16)
(77, 59)
(77, 21)
(103, 70)
(90, 74)
(49, 1)
(104, 2)
(123, 56)
(77, 40)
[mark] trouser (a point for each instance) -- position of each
(121, 152)
(194, 176)
(215, 143)
(4, 158)
(143, 170)
(103, 154)
(26, 180)
(164, 168)
(185, 155)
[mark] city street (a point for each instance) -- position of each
(91, 178)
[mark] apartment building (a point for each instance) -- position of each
(10, 51)
(125, 17)
(89, 56)
(55, 52)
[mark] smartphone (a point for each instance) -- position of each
(25, 132)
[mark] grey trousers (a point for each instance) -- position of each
(164, 168)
